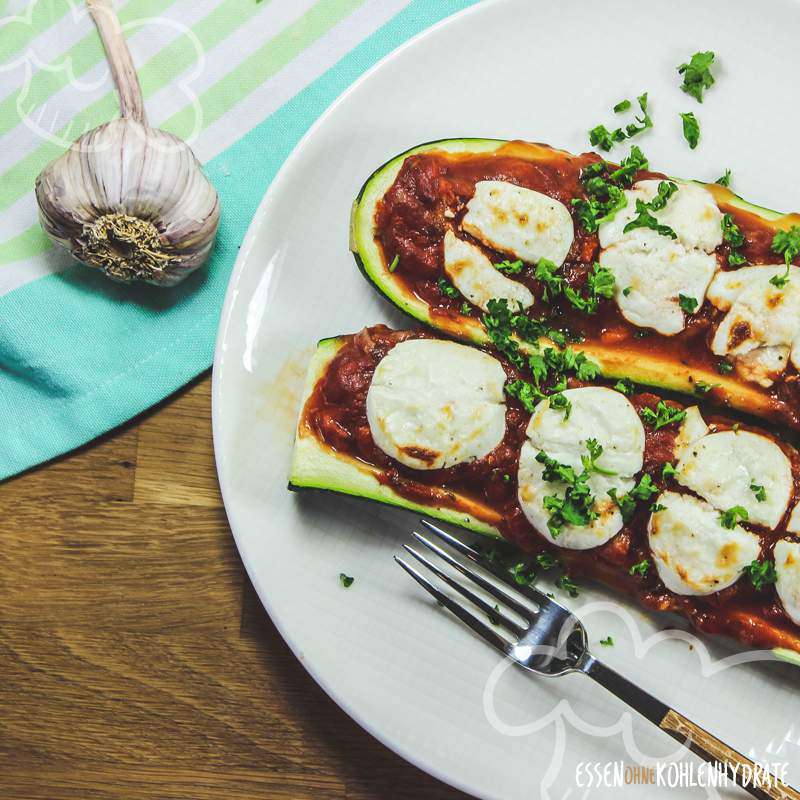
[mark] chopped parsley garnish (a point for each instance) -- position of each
(668, 471)
(788, 243)
(576, 507)
(644, 489)
(662, 416)
(346, 580)
(626, 505)
(735, 239)
(510, 267)
(691, 129)
(492, 618)
(547, 561)
(506, 478)
(395, 262)
(624, 385)
(779, 281)
(702, 388)
(697, 75)
(602, 137)
(527, 394)
(687, 304)
(627, 290)
(546, 273)
(523, 573)
(590, 462)
(501, 322)
(761, 573)
(759, 491)
(607, 642)
(599, 283)
(560, 402)
(724, 367)
(465, 308)
(724, 180)
(644, 219)
(604, 189)
(447, 290)
(565, 583)
(640, 568)
(656, 507)
(728, 519)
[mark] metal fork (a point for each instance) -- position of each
(552, 642)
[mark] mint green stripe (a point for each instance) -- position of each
(159, 71)
(31, 242)
(79, 354)
(15, 37)
(84, 55)
(261, 65)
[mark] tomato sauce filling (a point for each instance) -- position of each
(429, 197)
(335, 413)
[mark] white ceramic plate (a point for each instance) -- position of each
(545, 71)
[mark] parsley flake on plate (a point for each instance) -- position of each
(780, 281)
(623, 105)
(759, 491)
(395, 262)
(447, 289)
(510, 267)
(607, 642)
(697, 75)
(566, 584)
(346, 580)
(733, 236)
(668, 471)
(605, 139)
(625, 386)
(687, 304)
(691, 129)
(644, 219)
(724, 179)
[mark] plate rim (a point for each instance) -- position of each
(237, 270)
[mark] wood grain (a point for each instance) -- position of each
(136, 661)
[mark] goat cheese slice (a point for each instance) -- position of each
(763, 321)
(474, 275)
(721, 467)
(597, 413)
(693, 553)
(787, 568)
(651, 271)
(793, 525)
(522, 222)
(433, 404)
(691, 212)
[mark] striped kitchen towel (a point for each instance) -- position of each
(241, 81)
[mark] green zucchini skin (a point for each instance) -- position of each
(648, 368)
(315, 465)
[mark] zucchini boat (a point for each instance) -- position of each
(674, 284)
(681, 510)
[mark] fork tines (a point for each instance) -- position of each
(496, 614)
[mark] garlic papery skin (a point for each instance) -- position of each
(126, 198)
(132, 201)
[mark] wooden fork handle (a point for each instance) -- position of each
(732, 762)
(699, 741)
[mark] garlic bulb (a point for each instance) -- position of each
(126, 198)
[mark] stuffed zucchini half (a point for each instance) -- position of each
(670, 283)
(685, 512)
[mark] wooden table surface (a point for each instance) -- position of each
(135, 658)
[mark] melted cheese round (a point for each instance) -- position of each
(693, 553)
(787, 567)
(475, 277)
(793, 525)
(721, 467)
(434, 404)
(597, 413)
(691, 212)
(524, 223)
(650, 273)
(761, 327)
